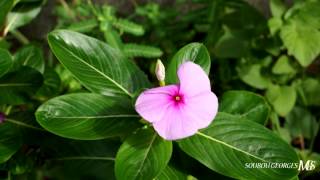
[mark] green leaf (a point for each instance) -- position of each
(277, 7)
(171, 173)
(136, 50)
(96, 65)
(112, 37)
(246, 105)
(5, 7)
(87, 116)
(51, 84)
(274, 25)
(228, 145)
(142, 156)
(195, 52)
(9, 141)
(16, 86)
(5, 61)
(283, 66)
(252, 76)
(282, 98)
(129, 27)
(31, 56)
(22, 15)
(301, 40)
(309, 90)
(84, 26)
(300, 122)
(81, 159)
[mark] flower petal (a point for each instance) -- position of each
(152, 104)
(193, 79)
(175, 124)
(202, 108)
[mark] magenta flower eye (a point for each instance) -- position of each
(179, 111)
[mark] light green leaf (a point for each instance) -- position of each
(84, 26)
(277, 8)
(195, 52)
(129, 27)
(300, 122)
(245, 105)
(142, 156)
(112, 37)
(96, 65)
(283, 66)
(228, 145)
(137, 50)
(31, 56)
(10, 141)
(252, 76)
(5, 61)
(274, 25)
(88, 116)
(309, 91)
(282, 98)
(301, 40)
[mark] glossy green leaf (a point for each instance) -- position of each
(5, 61)
(10, 141)
(31, 56)
(16, 86)
(51, 84)
(300, 122)
(229, 144)
(87, 116)
(137, 50)
(246, 105)
(5, 7)
(106, 70)
(142, 156)
(195, 52)
(171, 173)
(282, 98)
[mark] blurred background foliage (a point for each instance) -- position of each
(267, 47)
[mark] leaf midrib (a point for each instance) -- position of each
(95, 69)
(229, 146)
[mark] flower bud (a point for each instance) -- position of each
(160, 72)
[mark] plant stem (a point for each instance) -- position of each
(20, 37)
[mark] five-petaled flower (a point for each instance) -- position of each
(180, 110)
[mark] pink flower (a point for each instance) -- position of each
(180, 110)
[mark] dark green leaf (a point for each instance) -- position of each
(246, 105)
(142, 156)
(195, 52)
(9, 141)
(171, 173)
(5, 7)
(96, 65)
(16, 86)
(229, 144)
(87, 116)
(51, 84)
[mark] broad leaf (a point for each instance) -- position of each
(9, 141)
(283, 66)
(282, 98)
(277, 8)
(87, 116)
(195, 52)
(309, 90)
(246, 105)
(5, 7)
(95, 64)
(171, 173)
(31, 56)
(228, 145)
(5, 61)
(16, 86)
(142, 156)
(252, 76)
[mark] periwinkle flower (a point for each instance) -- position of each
(179, 111)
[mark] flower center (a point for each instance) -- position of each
(177, 98)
